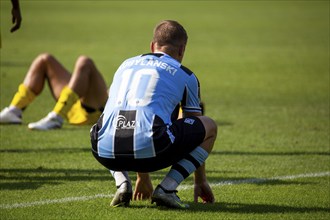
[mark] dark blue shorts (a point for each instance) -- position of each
(171, 145)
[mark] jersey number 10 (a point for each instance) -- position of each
(137, 87)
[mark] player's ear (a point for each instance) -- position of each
(152, 46)
(181, 50)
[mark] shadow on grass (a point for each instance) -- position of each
(252, 208)
(294, 153)
(223, 123)
(88, 149)
(14, 64)
(21, 179)
(238, 208)
(238, 180)
(46, 150)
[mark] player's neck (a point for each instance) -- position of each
(179, 59)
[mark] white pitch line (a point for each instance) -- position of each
(54, 201)
(260, 180)
(181, 187)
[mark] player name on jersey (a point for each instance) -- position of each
(149, 62)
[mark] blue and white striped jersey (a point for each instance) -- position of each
(144, 88)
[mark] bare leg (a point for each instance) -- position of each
(88, 83)
(195, 162)
(43, 68)
(211, 130)
(46, 67)
(202, 188)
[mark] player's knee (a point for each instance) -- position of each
(84, 61)
(45, 57)
(211, 127)
(211, 130)
(83, 65)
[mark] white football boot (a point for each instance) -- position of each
(123, 195)
(9, 116)
(51, 121)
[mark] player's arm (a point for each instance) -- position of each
(187, 114)
(143, 187)
(16, 15)
(202, 188)
(192, 99)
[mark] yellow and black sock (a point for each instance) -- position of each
(66, 100)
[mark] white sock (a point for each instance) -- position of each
(15, 110)
(120, 177)
(56, 116)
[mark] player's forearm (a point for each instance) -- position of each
(200, 175)
(188, 114)
(143, 176)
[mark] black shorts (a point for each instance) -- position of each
(189, 133)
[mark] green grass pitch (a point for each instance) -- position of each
(264, 72)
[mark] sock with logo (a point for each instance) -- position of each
(184, 168)
(66, 100)
(22, 98)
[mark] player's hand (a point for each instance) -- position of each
(203, 191)
(16, 19)
(143, 187)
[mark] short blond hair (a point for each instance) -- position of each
(170, 33)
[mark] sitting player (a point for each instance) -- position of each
(80, 97)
